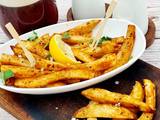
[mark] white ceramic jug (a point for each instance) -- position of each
(133, 10)
(83, 9)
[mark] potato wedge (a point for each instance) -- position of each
(127, 47)
(105, 96)
(84, 28)
(49, 65)
(96, 110)
(44, 80)
(107, 47)
(73, 40)
(13, 60)
(40, 62)
(131, 31)
(125, 52)
(137, 91)
(82, 56)
(146, 116)
(44, 40)
(22, 72)
(150, 99)
(103, 63)
(20, 53)
(36, 48)
(98, 65)
(150, 93)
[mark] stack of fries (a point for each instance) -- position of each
(110, 54)
(106, 104)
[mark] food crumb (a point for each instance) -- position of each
(74, 119)
(56, 108)
(116, 82)
(42, 69)
(51, 59)
(20, 56)
(118, 104)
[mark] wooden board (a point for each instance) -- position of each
(62, 106)
(150, 35)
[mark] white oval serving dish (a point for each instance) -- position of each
(113, 28)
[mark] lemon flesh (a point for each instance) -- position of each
(60, 51)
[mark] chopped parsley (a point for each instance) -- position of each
(6, 75)
(103, 39)
(66, 35)
(33, 37)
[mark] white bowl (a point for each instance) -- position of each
(113, 28)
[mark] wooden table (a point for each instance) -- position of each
(151, 55)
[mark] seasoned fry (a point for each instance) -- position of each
(96, 110)
(146, 116)
(49, 65)
(137, 91)
(40, 63)
(105, 96)
(77, 40)
(126, 49)
(36, 48)
(44, 80)
(82, 56)
(84, 28)
(150, 93)
(44, 40)
(22, 72)
(112, 46)
(124, 54)
(98, 65)
(150, 99)
(131, 31)
(56, 84)
(13, 60)
(103, 63)
(20, 53)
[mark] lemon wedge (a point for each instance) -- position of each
(60, 51)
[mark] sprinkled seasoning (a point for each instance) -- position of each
(118, 104)
(42, 69)
(51, 59)
(74, 119)
(20, 56)
(116, 82)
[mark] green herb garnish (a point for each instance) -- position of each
(66, 36)
(33, 37)
(6, 75)
(103, 39)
